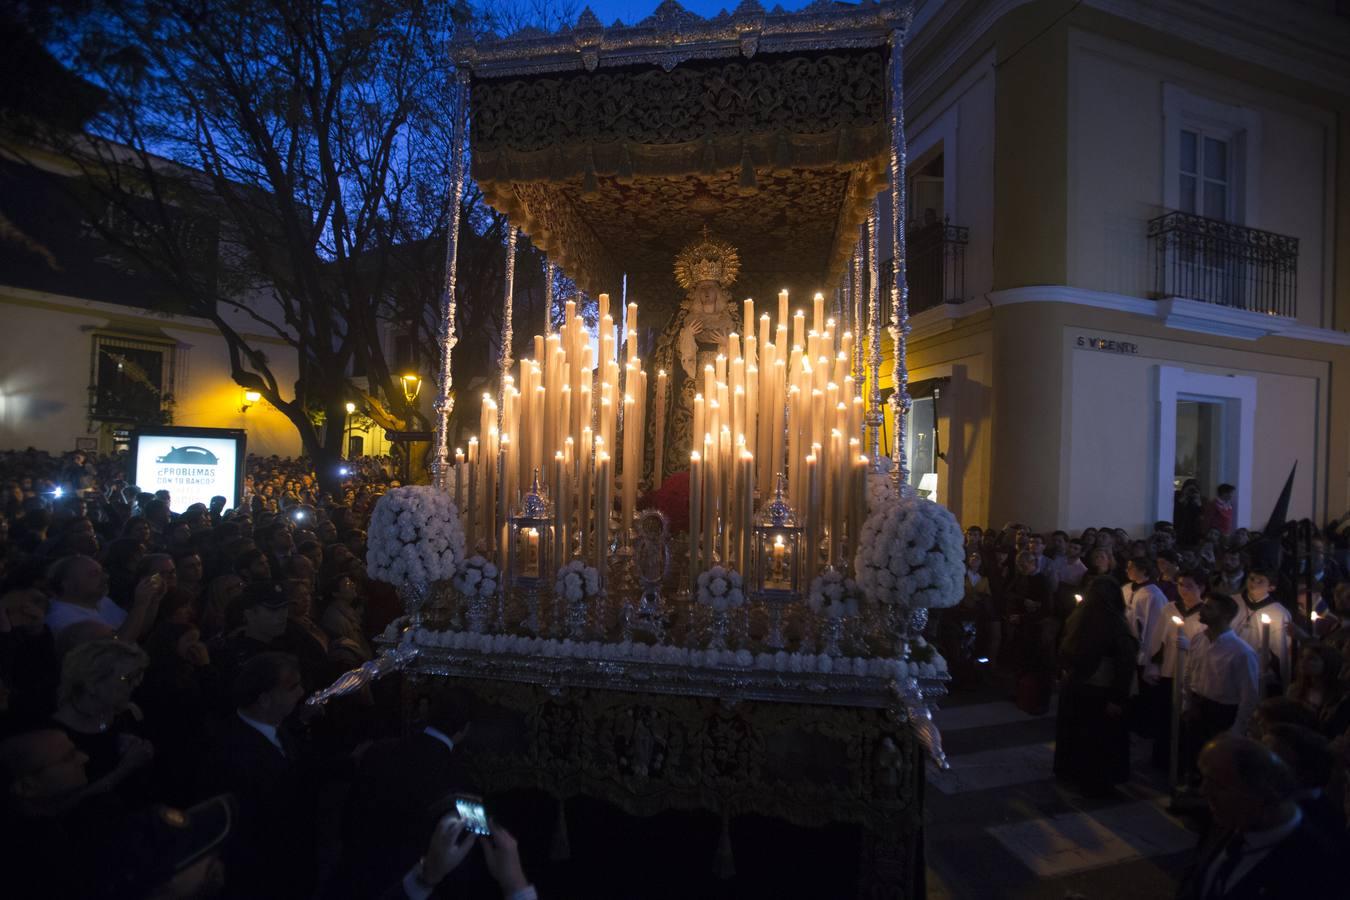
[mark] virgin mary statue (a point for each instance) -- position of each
(695, 335)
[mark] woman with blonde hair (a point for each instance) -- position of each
(94, 706)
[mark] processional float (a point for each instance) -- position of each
(670, 163)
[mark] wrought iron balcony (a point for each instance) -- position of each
(936, 264)
(1217, 262)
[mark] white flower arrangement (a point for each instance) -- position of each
(721, 588)
(911, 554)
(782, 661)
(880, 487)
(415, 537)
(577, 581)
(833, 595)
(477, 577)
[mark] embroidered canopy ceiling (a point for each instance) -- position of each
(613, 147)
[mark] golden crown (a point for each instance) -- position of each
(708, 259)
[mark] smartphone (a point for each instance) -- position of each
(471, 810)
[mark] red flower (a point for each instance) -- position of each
(671, 498)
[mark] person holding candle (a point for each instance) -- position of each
(1176, 639)
(1097, 664)
(1144, 603)
(1220, 692)
(1265, 624)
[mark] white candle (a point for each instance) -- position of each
(658, 456)
(813, 518)
(746, 510)
(471, 522)
(695, 518)
(602, 506)
(556, 488)
(460, 475)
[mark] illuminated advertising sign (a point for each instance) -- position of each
(192, 464)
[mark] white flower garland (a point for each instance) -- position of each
(721, 588)
(782, 661)
(477, 577)
(834, 595)
(911, 554)
(415, 536)
(577, 581)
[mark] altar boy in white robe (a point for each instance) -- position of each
(1190, 598)
(1144, 605)
(1255, 604)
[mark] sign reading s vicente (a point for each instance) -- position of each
(192, 464)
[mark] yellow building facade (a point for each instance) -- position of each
(1144, 271)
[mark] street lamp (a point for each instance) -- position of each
(412, 386)
(250, 398)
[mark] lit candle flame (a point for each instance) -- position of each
(1265, 618)
(1176, 620)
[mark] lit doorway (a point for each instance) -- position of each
(1201, 447)
(1207, 431)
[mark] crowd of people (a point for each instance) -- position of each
(154, 741)
(1255, 627)
(153, 738)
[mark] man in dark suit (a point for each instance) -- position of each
(402, 787)
(1261, 845)
(1310, 757)
(271, 853)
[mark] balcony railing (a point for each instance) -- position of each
(1217, 262)
(936, 264)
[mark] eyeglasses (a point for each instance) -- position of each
(132, 678)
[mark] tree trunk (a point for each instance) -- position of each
(327, 459)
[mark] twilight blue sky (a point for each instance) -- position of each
(632, 11)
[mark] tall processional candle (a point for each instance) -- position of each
(631, 456)
(709, 527)
(818, 317)
(746, 512)
(658, 457)
(558, 485)
(471, 472)
(695, 519)
(491, 455)
(857, 506)
(1178, 690)
(460, 475)
(782, 309)
(838, 481)
(811, 559)
(602, 507)
(585, 488)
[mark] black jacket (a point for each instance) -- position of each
(270, 852)
(1301, 866)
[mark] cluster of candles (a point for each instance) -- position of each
(764, 409)
(767, 406)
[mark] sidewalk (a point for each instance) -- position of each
(999, 825)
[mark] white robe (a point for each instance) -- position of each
(1248, 626)
(1190, 627)
(1144, 612)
